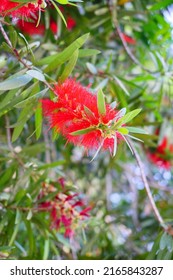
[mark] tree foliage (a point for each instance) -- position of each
(55, 201)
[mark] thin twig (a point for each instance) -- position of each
(26, 209)
(125, 45)
(17, 55)
(155, 185)
(144, 179)
(14, 50)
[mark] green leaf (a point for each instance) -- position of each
(58, 59)
(36, 74)
(160, 5)
(38, 121)
(88, 112)
(16, 229)
(123, 130)
(51, 165)
(62, 1)
(88, 52)
(8, 97)
(136, 130)
(6, 176)
(101, 103)
(29, 216)
(121, 85)
(91, 68)
(128, 117)
(69, 67)
(16, 82)
(25, 114)
(32, 98)
(82, 131)
(59, 11)
(31, 238)
(46, 249)
(163, 241)
(18, 217)
(102, 84)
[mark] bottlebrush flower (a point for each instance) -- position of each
(32, 29)
(66, 210)
(128, 39)
(76, 109)
(8, 7)
(84, 119)
(162, 154)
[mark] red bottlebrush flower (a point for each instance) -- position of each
(7, 7)
(128, 39)
(66, 210)
(160, 155)
(71, 23)
(30, 28)
(53, 27)
(76, 109)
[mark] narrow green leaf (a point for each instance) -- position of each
(58, 59)
(91, 68)
(26, 113)
(69, 67)
(29, 216)
(120, 114)
(16, 229)
(123, 130)
(121, 85)
(102, 84)
(62, 1)
(18, 217)
(38, 121)
(160, 5)
(163, 241)
(101, 102)
(136, 130)
(88, 52)
(32, 98)
(51, 165)
(31, 238)
(46, 249)
(88, 112)
(128, 117)
(59, 11)
(36, 74)
(113, 104)
(16, 82)
(82, 131)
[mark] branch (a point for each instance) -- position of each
(26, 209)
(17, 55)
(15, 52)
(144, 179)
(125, 45)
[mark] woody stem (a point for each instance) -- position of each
(147, 187)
